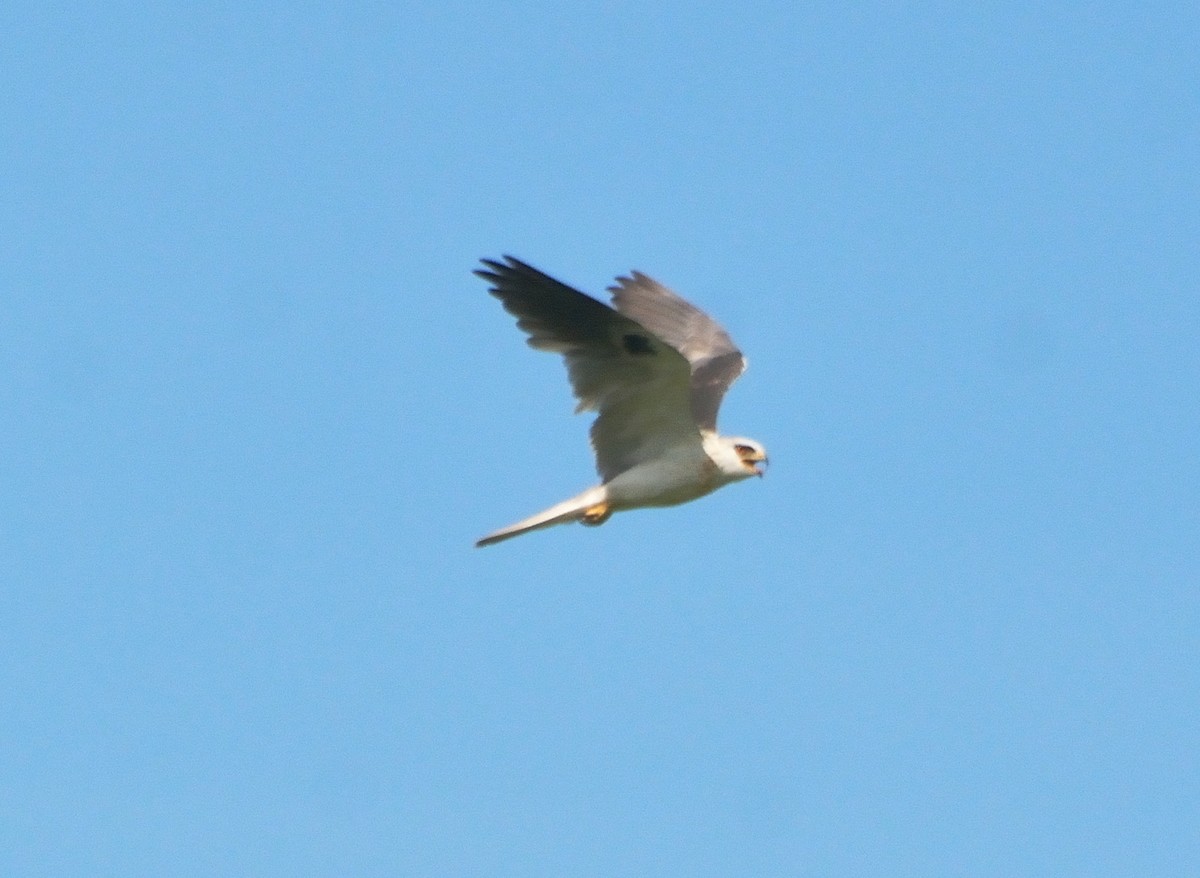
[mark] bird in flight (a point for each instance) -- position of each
(655, 368)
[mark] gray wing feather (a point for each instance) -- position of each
(714, 359)
(638, 382)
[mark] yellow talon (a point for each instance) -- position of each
(597, 514)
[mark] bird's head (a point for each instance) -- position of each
(749, 455)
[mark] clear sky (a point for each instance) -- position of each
(256, 409)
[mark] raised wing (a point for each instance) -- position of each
(639, 383)
(714, 360)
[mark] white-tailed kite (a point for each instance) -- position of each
(655, 368)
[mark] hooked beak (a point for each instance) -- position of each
(753, 462)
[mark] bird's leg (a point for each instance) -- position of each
(597, 514)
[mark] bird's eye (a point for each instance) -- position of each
(743, 450)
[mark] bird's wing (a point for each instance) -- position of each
(639, 383)
(714, 359)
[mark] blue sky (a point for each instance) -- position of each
(256, 410)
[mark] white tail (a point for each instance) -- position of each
(559, 513)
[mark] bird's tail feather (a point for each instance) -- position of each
(559, 513)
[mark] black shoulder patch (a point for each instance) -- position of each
(638, 345)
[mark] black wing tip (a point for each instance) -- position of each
(496, 271)
(491, 266)
(504, 263)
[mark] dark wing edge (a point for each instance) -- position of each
(556, 317)
(715, 360)
(640, 384)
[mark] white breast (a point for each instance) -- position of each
(684, 473)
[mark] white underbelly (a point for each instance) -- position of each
(666, 481)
